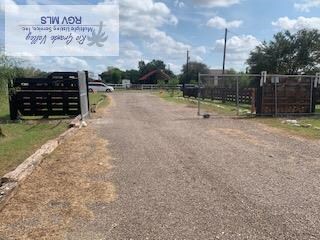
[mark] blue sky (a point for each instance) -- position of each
(165, 29)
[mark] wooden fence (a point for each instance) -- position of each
(245, 96)
(57, 95)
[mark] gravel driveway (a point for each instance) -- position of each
(175, 176)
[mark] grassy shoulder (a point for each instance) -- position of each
(23, 138)
(229, 109)
(4, 106)
(307, 127)
(99, 98)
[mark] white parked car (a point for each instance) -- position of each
(99, 87)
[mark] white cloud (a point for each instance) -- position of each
(238, 49)
(306, 5)
(143, 17)
(286, 23)
(100, 68)
(69, 64)
(129, 56)
(221, 23)
(10, 6)
(216, 3)
(174, 67)
(179, 4)
(200, 50)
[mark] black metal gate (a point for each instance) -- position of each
(56, 95)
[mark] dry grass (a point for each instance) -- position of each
(60, 191)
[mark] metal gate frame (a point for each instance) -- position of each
(261, 84)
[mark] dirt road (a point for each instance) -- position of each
(149, 169)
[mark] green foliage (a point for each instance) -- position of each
(193, 69)
(287, 53)
(115, 75)
(10, 68)
(2, 135)
(133, 75)
(172, 84)
(112, 75)
(153, 65)
(161, 84)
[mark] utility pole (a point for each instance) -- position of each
(224, 60)
(187, 74)
(225, 51)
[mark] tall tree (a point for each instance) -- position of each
(133, 75)
(193, 70)
(112, 75)
(151, 66)
(287, 53)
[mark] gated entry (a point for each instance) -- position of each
(287, 94)
(60, 94)
(263, 94)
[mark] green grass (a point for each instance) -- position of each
(25, 137)
(310, 133)
(4, 106)
(229, 109)
(95, 98)
(22, 139)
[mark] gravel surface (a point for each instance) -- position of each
(176, 176)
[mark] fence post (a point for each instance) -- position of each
(253, 101)
(311, 96)
(276, 96)
(314, 89)
(199, 95)
(13, 106)
(238, 109)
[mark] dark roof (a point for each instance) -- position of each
(154, 72)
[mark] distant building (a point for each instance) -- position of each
(126, 83)
(215, 71)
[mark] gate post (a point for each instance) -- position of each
(13, 105)
(237, 95)
(314, 89)
(199, 95)
(259, 93)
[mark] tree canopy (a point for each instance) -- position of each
(153, 65)
(193, 70)
(287, 53)
(115, 75)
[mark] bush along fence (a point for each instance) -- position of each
(268, 94)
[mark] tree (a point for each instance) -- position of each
(151, 66)
(193, 70)
(133, 75)
(287, 53)
(112, 75)
(8, 70)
